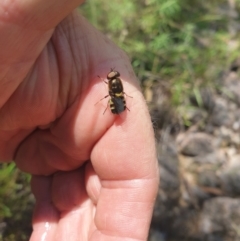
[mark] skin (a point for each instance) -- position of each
(94, 176)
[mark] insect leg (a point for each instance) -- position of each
(127, 95)
(105, 110)
(102, 99)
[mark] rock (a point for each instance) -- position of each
(230, 176)
(226, 137)
(214, 157)
(169, 191)
(209, 179)
(196, 144)
(232, 85)
(220, 115)
(165, 118)
(209, 128)
(220, 219)
(169, 165)
(199, 166)
(156, 235)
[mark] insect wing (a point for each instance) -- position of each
(118, 105)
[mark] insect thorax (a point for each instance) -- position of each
(115, 86)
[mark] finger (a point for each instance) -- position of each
(93, 185)
(68, 190)
(125, 160)
(62, 207)
(9, 140)
(46, 216)
(26, 27)
(70, 197)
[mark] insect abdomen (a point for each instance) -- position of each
(117, 104)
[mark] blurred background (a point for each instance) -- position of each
(186, 54)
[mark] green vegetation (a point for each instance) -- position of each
(16, 203)
(186, 43)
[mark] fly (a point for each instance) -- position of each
(116, 93)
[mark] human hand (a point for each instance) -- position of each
(95, 176)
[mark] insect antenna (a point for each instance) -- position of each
(102, 79)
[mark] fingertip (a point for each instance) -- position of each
(68, 190)
(93, 184)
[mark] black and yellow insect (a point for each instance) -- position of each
(117, 100)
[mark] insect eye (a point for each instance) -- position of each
(111, 75)
(117, 74)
